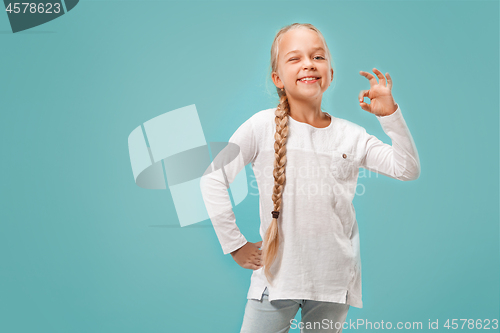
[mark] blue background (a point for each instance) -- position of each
(84, 249)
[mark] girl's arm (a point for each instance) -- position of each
(240, 151)
(399, 161)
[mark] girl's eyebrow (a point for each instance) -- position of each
(315, 49)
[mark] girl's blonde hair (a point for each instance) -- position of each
(271, 239)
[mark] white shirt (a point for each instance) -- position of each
(319, 254)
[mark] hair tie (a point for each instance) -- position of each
(275, 214)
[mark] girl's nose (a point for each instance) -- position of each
(308, 64)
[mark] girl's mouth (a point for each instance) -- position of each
(309, 80)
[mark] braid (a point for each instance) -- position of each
(271, 242)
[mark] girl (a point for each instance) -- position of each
(310, 255)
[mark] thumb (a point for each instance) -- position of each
(366, 107)
(258, 244)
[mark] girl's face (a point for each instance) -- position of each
(302, 54)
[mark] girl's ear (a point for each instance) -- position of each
(277, 81)
(332, 74)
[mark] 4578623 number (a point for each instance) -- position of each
(47, 8)
(472, 324)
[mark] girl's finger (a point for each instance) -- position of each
(389, 81)
(365, 107)
(362, 94)
(380, 76)
(370, 77)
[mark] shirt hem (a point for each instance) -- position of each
(342, 296)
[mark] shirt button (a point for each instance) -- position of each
(344, 155)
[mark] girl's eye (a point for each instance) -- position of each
(314, 57)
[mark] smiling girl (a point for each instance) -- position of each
(310, 257)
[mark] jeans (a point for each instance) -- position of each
(263, 317)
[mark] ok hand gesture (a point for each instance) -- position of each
(381, 101)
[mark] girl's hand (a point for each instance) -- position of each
(249, 256)
(381, 101)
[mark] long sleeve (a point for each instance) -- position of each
(399, 161)
(214, 185)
